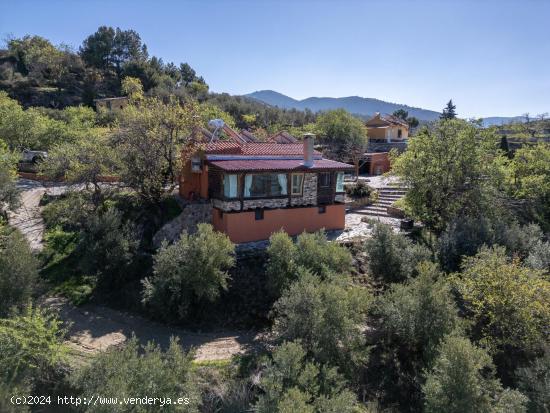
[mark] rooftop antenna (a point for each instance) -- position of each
(217, 124)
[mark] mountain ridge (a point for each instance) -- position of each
(353, 104)
(364, 107)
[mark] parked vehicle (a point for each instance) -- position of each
(29, 156)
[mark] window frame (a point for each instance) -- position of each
(265, 195)
(328, 174)
(301, 189)
(343, 189)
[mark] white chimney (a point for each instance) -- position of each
(308, 149)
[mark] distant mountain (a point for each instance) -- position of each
(365, 107)
(502, 120)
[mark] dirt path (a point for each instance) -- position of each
(27, 217)
(93, 328)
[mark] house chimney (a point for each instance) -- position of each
(308, 149)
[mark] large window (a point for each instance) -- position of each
(265, 185)
(297, 184)
(340, 182)
(230, 185)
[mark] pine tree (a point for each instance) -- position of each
(449, 111)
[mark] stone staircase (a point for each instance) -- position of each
(387, 195)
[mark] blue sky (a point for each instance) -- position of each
(491, 57)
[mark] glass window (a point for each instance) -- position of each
(297, 184)
(265, 185)
(324, 179)
(230, 186)
(340, 182)
(259, 214)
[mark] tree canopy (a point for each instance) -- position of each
(451, 168)
(449, 111)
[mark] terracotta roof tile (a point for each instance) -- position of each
(283, 137)
(278, 165)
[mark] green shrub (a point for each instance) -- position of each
(465, 235)
(136, 371)
(188, 271)
(534, 382)
(18, 270)
(281, 269)
(409, 321)
(462, 380)
(393, 257)
(310, 251)
(31, 352)
(359, 190)
(107, 246)
(507, 302)
(320, 256)
(291, 383)
(419, 313)
(327, 317)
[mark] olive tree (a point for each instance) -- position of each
(450, 168)
(153, 142)
(139, 371)
(328, 317)
(192, 269)
(461, 380)
(292, 383)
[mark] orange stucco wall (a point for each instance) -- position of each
(193, 183)
(380, 163)
(243, 227)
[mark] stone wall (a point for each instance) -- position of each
(309, 195)
(226, 205)
(265, 203)
(191, 216)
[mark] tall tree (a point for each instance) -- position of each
(110, 48)
(344, 134)
(401, 113)
(451, 169)
(449, 111)
(188, 75)
(153, 141)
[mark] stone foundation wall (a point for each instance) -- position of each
(265, 203)
(340, 198)
(191, 216)
(227, 205)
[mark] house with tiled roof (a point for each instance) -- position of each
(387, 128)
(257, 188)
(385, 132)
